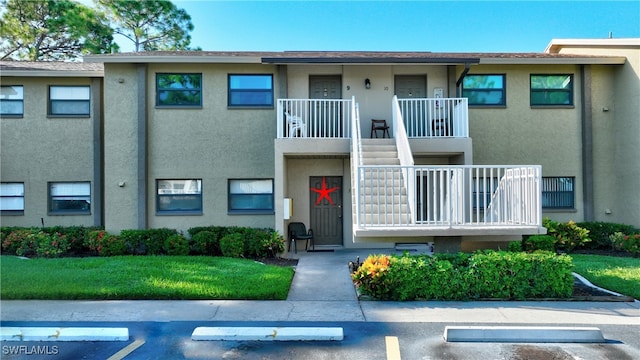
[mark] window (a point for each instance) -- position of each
(179, 90)
(70, 198)
(251, 90)
(485, 90)
(12, 198)
(483, 190)
(179, 196)
(552, 90)
(251, 195)
(558, 192)
(69, 100)
(11, 101)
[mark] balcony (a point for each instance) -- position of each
(314, 119)
(447, 200)
(435, 117)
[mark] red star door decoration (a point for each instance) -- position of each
(324, 193)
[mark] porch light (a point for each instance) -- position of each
(367, 83)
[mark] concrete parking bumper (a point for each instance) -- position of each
(523, 334)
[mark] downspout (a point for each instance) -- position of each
(467, 67)
(587, 142)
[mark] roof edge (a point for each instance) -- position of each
(556, 44)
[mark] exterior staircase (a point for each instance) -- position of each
(383, 190)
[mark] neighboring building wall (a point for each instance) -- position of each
(38, 149)
(616, 131)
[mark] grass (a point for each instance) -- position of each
(142, 277)
(619, 274)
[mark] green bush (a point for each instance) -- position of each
(539, 242)
(206, 243)
(15, 240)
(628, 243)
(104, 244)
(515, 246)
(232, 245)
(51, 245)
(176, 245)
(600, 232)
(482, 275)
(569, 235)
(146, 241)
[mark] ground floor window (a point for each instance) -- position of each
(179, 196)
(558, 192)
(12, 198)
(69, 198)
(251, 195)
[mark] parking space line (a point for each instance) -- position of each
(393, 347)
(126, 350)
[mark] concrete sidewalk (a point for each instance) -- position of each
(322, 292)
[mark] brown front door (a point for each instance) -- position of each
(326, 117)
(326, 209)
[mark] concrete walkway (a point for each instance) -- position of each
(322, 292)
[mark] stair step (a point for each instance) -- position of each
(386, 208)
(379, 154)
(387, 219)
(381, 161)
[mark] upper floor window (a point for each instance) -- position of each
(251, 195)
(552, 90)
(12, 198)
(69, 198)
(251, 90)
(485, 90)
(179, 90)
(558, 192)
(179, 196)
(69, 100)
(11, 100)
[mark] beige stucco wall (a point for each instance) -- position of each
(374, 103)
(38, 149)
(212, 143)
(521, 135)
(616, 133)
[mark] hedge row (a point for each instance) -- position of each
(90, 241)
(481, 275)
(570, 236)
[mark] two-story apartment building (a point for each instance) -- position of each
(479, 147)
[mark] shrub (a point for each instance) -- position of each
(75, 236)
(371, 277)
(539, 242)
(206, 243)
(146, 241)
(482, 275)
(568, 235)
(176, 245)
(515, 246)
(600, 232)
(105, 244)
(232, 245)
(271, 245)
(15, 240)
(50, 245)
(628, 243)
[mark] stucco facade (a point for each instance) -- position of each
(129, 144)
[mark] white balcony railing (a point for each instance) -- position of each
(450, 196)
(314, 118)
(435, 117)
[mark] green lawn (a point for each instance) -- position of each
(142, 277)
(619, 274)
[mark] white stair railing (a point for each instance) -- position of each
(435, 117)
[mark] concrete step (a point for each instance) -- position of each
(381, 161)
(379, 154)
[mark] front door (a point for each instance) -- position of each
(326, 209)
(326, 116)
(413, 87)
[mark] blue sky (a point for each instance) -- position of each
(450, 26)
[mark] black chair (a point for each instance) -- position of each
(379, 125)
(297, 231)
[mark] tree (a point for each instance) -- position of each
(150, 24)
(52, 30)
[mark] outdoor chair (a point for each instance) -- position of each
(379, 125)
(298, 231)
(296, 127)
(440, 127)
